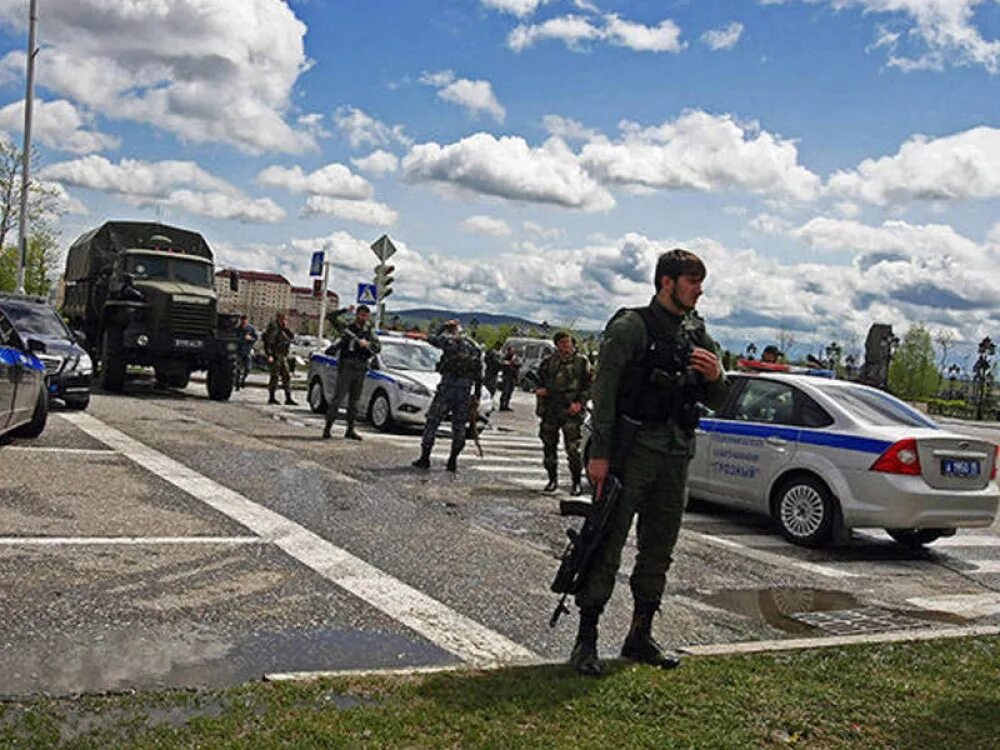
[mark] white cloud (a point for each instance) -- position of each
(377, 162)
(474, 96)
(490, 225)
(547, 233)
(724, 38)
(361, 129)
(508, 168)
(333, 181)
(769, 224)
(958, 167)
(571, 30)
(519, 8)
(664, 37)
(58, 125)
(206, 70)
(365, 212)
(704, 152)
(171, 184)
(938, 32)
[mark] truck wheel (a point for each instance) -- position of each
(38, 417)
(112, 360)
(220, 380)
(173, 379)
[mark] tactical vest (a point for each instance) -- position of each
(659, 388)
(461, 360)
(355, 352)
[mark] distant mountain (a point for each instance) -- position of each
(422, 316)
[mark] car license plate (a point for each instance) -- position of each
(188, 343)
(951, 467)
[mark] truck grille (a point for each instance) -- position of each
(190, 320)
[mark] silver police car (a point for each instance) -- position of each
(399, 384)
(820, 455)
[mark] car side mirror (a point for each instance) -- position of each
(375, 364)
(81, 338)
(35, 346)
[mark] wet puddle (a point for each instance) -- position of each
(112, 660)
(807, 611)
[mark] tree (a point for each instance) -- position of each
(42, 265)
(913, 373)
(786, 340)
(943, 339)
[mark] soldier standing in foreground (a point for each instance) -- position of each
(657, 363)
(461, 368)
(561, 398)
(358, 344)
(277, 340)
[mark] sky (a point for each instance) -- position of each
(835, 162)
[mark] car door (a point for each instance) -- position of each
(699, 470)
(753, 442)
(9, 357)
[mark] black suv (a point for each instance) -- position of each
(68, 367)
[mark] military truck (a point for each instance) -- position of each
(142, 293)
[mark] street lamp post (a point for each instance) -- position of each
(29, 97)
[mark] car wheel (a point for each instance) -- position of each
(379, 412)
(77, 403)
(38, 417)
(804, 510)
(317, 399)
(916, 537)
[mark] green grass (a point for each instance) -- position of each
(943, 694)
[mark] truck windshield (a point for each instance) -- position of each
(160, 268)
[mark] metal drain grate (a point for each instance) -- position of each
(862, 620)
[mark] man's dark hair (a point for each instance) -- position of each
(560, 335)
(361, 309)
(678, 262)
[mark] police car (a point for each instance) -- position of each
(398, 387)
(820, 456)
(24, 403)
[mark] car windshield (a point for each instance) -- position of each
(878, 408)
(36, 320)
(398, 356)
(160, 268)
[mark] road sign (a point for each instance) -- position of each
(316, 266)
(383, 248)
(367, 294)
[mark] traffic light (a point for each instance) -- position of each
(383, 280)
(318, 288)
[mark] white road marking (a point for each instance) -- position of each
(967, 540)
(769, 557)
(963, 605)
(450, 630)
(985, 566)
(43, 541)
(533, 470)
(54, 449)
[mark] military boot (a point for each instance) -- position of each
(576, 489)
(327, 428)
(553, 480)
(452, 464)
(583, 658)
(424, 462)
(289, 401)
(639, 643)
(270, 398)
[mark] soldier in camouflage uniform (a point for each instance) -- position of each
(461, 368)
(656, 364)
(358, 344)
(561, 398)
(277, 340)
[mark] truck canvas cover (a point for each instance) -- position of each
(93, 252)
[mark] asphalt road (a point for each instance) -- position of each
(161, 539)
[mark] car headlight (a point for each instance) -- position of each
(415, 388)
(85, 365)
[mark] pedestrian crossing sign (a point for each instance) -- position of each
(367, 294)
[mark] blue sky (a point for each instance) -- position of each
(837, 162)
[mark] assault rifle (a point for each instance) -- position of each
(577, 558)
(473, 428)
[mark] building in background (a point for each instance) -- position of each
(303, 310)
(260, 296)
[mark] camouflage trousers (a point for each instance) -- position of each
(655, 488)
(549, 430)
(278, 367)
(452, 397)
